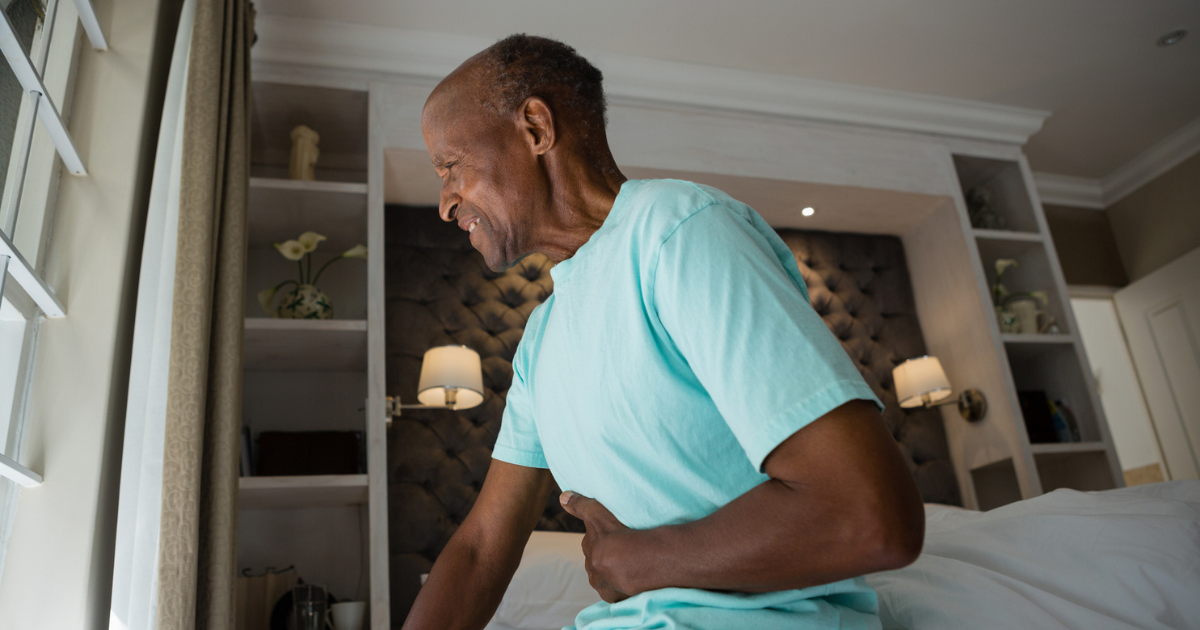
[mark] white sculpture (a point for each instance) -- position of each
(304, 153)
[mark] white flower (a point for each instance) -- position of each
(265, 297)
(291, 250)
(358, 251)
(309, 241)
(1002, 265)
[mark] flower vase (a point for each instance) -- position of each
(305, 302)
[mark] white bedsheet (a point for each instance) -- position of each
(1125, 558)
(1119, 559)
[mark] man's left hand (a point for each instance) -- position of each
(601, 555)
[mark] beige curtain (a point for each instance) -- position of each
(197, 550)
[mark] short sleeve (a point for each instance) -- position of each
(725, 296)
(518, 442)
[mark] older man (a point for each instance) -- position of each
(728, 461)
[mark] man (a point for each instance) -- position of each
(729, 463)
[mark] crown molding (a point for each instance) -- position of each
(1065, 190)
(647, 81)
(1158, 159)
(1083, 192)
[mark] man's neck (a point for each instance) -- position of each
(579, 204)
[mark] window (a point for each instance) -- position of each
(39, 40)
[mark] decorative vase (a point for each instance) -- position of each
(305, 302)
(1008, 320)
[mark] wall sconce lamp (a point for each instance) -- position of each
(451, 378)
(922, 382)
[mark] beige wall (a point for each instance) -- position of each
(58, 571)
(1160, 221)
(1086, 248)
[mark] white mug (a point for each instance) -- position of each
(348, 615)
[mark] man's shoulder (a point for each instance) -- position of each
(661, 205)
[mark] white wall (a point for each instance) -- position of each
(1128, 421)
(59, 566)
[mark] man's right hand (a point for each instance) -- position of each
(473, 571)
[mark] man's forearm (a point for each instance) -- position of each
(462, 591)
(795, 530)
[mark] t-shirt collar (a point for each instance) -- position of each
(560, 272)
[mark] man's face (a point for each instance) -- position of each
(489, 176)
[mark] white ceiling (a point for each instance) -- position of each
(1093, 63)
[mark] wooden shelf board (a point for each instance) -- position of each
(281, 209)
(1067, 447)
(267, 493)
(334, 345)
(1008, 235)
(273, 183)
(1031, 338)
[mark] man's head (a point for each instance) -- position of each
(502, 128)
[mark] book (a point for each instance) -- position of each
(246, 459)
(1039, 423)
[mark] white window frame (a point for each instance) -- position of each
(21, 284)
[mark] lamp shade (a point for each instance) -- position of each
(451, 369)
(920, 381)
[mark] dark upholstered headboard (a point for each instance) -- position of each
(439, 291)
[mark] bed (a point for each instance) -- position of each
(1127, 558)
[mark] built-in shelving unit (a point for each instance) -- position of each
(315, 375)
(1050, 363)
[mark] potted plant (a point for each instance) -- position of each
(305, 300)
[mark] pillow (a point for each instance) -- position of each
(550, 587)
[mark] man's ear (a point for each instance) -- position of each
(537, 124)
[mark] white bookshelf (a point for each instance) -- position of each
(1051, 363)
(315, 375)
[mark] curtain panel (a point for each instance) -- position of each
(197, 548)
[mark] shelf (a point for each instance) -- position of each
(338, 116)
(1006, 184)
(1067, 447)
(269, 493)
(281, 209)
(1008, 235)
(284, 345)
(1036, 339)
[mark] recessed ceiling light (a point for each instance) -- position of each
(808, 212)
(1172, 38)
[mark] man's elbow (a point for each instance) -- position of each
(895, 538)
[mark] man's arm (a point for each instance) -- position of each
(840, 503)
(473, 571)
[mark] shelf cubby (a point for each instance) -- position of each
(281, 208)
(1003, 179)
(1079, 470)
(1054, 369)
(1032, 273)
(283, 345)
(338, 116)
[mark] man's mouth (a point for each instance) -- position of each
(470, 224)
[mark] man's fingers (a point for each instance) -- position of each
(572, 502)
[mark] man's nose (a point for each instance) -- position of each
(448, 206)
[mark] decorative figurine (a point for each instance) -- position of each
(304, 153)
(982, 210)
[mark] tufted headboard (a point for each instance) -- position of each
(440, 292)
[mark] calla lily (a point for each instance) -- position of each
(309, 241)
(291, 250)
(1002, 265)
(265, 297)
(358, 251)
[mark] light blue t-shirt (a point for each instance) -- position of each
(677, 350)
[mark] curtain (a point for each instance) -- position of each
(135, 569)
(197, 545)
